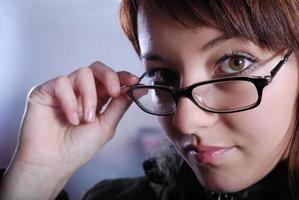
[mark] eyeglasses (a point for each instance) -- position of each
(225, 95)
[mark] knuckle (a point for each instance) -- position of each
(124, 72)
(104, 74)
(97, 63)
(34, 91)
(84, 70)
(61, 80)
(83, 74)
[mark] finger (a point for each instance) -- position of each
(125, 79)
(118, 106)
(83, 82)
(107, 77)
(61, 89)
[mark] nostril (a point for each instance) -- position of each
(189, 141)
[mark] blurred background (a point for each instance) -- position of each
(42, 39)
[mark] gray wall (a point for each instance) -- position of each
(41, 39)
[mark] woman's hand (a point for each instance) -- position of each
(63, 127)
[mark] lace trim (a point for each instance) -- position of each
(219, 196)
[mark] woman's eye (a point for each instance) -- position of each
(235, 65)
(163, 77)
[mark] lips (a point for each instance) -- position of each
(206, 154)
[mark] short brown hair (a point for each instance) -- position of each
(273, 25)
(270, 24)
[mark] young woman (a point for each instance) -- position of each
(222, 77)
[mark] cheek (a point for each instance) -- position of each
(262, 133)
(166, 124)
(269, 126)
(169, 129)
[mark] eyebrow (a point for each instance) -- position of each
(210, 45)
(152, 57)
(216, 42)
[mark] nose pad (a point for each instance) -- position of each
(189, 118)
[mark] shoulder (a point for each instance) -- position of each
(121, 189)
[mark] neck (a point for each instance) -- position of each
(276, 182)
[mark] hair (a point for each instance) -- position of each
(273, 25)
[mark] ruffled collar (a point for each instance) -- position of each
(184, 185)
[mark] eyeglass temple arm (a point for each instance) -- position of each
(280, 64)
(142, 76)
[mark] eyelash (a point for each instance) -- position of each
(239, 54)
(168, 77)
(151, 73)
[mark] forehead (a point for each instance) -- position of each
(156, 32)
(233, 19)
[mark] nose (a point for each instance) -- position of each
(189, 118)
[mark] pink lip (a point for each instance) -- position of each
(206, 154)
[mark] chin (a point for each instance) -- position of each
(221, 183)
(220, 188)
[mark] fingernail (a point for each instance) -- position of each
(75, 119)
(90, 115)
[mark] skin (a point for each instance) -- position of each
(259, 141)
(62, 129)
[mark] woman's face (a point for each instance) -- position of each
(231, 151)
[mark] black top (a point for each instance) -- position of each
(155, 185)
(184, 186)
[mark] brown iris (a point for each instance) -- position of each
(237, 63)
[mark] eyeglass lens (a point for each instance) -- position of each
(219, 96)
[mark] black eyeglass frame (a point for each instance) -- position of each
(260, 82)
